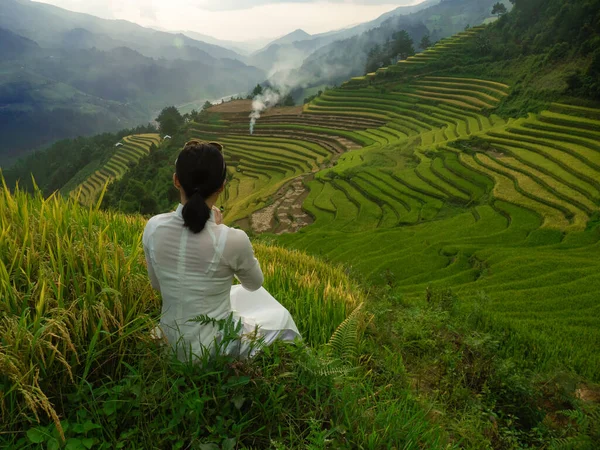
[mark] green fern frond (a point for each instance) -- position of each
(343, 343)
(326, 368)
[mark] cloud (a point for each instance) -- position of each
(238, 20)
(148, 12)
(229, 5)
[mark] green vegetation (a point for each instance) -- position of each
(83, 316)
(67, 160)
(461, 185)
(81, 311)
(129, 152)
(401, 46)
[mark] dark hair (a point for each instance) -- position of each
(201, 170)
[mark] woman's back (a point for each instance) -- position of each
(194, 273)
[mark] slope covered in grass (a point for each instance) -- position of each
(78, 362)
(414, 180)
(128, 154)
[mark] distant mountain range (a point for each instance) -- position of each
(53, 27)
(289, 51)
(344, 58)
(64, 74)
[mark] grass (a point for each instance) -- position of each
(447, 193)
(78, 307)
(477, 236)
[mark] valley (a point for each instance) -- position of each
(432, 223)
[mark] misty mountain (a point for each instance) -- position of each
(294, 36)
(244, 48)
(53, 27)
(288, 52)
(364, 27)
(13, 46)
(71, 92)
(66, 74)
(340, 60)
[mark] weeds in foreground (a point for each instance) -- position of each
(478, 378)
(79, 367)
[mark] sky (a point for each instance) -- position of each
(238, 20)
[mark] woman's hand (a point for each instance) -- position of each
(218, 215)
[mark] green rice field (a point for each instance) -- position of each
(133, 148)
(431, 189)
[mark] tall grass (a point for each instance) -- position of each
(76, 306)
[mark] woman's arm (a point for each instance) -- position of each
(245, 265)
(150, 267)
(151, 274)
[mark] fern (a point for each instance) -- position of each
(343, 343)
(322, 367)
(339, 356)
(585, 428)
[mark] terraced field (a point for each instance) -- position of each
(508, 218)
(418, 184)
(264, 166)
(133, 149)
(444, 48)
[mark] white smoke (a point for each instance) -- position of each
(260, 103)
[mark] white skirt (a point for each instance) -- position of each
(264, 320)
(262, 315)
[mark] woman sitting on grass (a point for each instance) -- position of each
(192, 259)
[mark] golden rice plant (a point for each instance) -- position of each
(319, 295)
(76, 302)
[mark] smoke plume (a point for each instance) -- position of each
(261, 102)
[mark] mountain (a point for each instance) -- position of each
(289, 51)
(13, 46)
(363, 27)
(243, 48)
(66, 74)
(102, 91)
(297, 35)
(53, 27)
(340, 60)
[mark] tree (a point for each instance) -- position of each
(194, 115)
(169, 120)
(483, 45)
(402, 45)
(499, 9)
(258, 90)
(425, 42)
(288, 100)
(206, 105)
(374, 59)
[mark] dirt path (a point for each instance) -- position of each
(285, 213)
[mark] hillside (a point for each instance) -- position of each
(85, 327)
(412, 169)
(461, 187)
(78, 307)
(129, 151)
(346, 57)
(289, 51)
(67, 74)
(53, 27)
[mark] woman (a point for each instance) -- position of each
(192, 259)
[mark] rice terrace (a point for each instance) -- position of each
(432, 226)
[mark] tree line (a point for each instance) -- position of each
(399, 47)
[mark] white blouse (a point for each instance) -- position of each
(194, 273)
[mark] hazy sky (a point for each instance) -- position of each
(238, 19)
